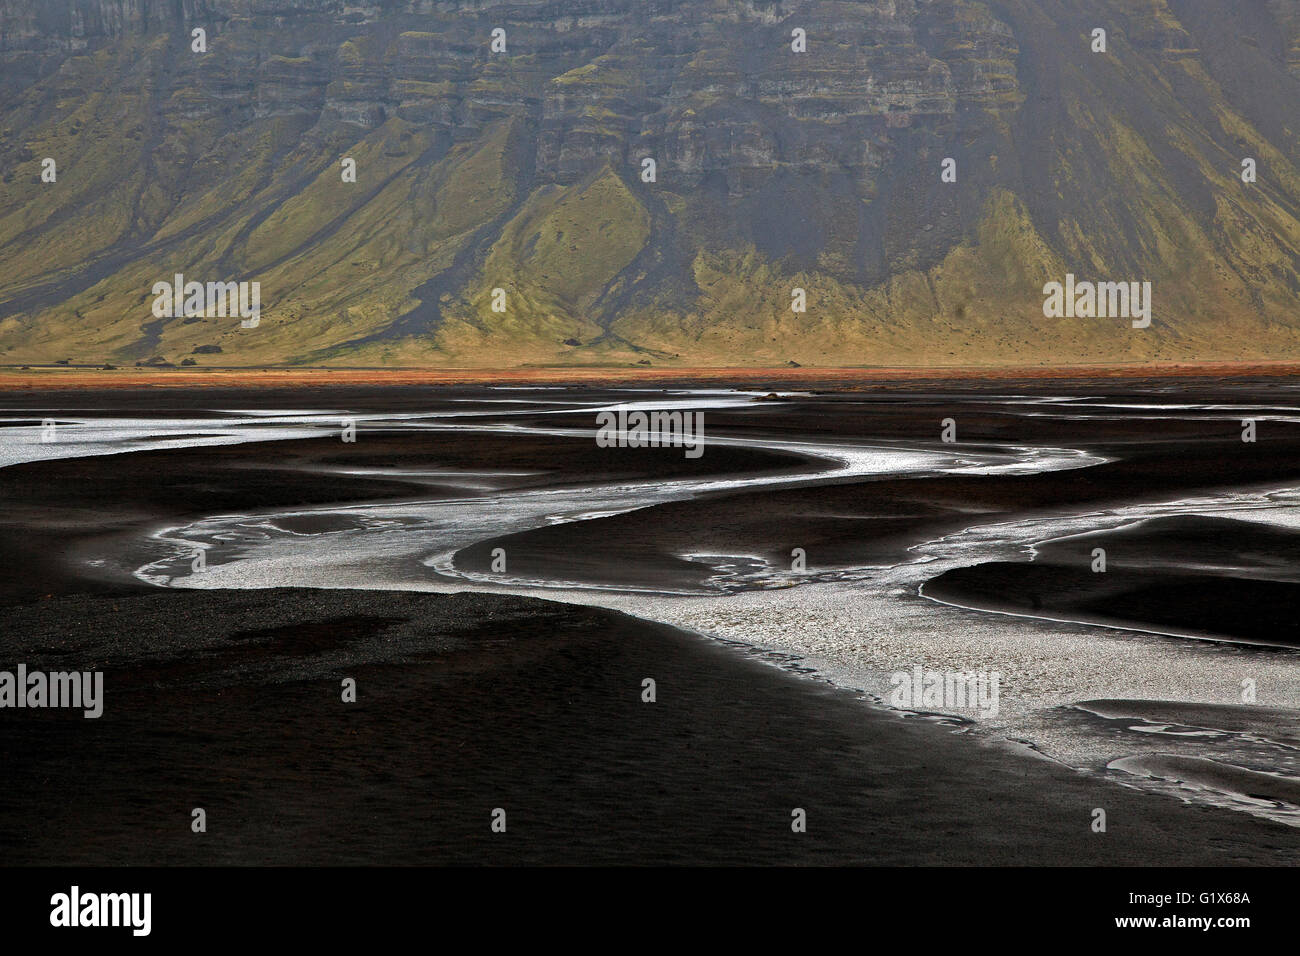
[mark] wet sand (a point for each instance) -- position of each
(1197, 606)
(1209, 578)
(229, 700)
(875, 521)
(58, 511)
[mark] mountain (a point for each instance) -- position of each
(522, 169)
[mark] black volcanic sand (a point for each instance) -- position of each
(1184, 542)
(61, 512)
(874, 521)
(231, 701)
(1145, 585)
(1275, 723)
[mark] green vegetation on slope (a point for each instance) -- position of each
(774, 171)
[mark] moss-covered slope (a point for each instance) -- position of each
(503, 212)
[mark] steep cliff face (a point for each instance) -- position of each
(648, 181)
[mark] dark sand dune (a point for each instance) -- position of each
(1193, 605)
(1187, 542)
